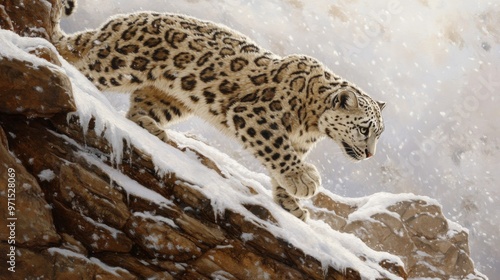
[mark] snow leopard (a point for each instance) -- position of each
(278, 108)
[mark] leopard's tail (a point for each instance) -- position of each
(63, 9)
(69, 7)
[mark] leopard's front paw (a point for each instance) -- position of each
(302, 181)
(289, 203)
(302, 214)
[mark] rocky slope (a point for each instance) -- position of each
(97, 197)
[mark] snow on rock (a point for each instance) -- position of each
(81, 263)
(410, 226)
(22, 72)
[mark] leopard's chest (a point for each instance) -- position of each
(303, 143)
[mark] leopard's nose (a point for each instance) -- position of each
(368, 154)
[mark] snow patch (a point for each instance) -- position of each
(247, 237)
(110, 269)
(46, 175)
(65, 252)
(221, 275)
(130, 186)
(70, 254)
(151, 216)
(379, 202)
(114, 232)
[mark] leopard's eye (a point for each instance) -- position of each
(363, 130)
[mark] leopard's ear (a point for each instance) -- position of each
(346, 100)
(381, 105)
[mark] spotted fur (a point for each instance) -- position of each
(277, 107)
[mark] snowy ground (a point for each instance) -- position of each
(435, 63)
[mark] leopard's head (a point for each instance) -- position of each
(354, 121)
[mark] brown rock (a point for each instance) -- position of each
(460, 239)
(428, 225)
(30, 264)
(70, 266)
(383, 233)
(463, 265)
(5, 22)
(420, 236)
(333, 220)
(29, 15)
(56, 263)
(210, 234)
(95, 236)
(91, 196)
(234, 261)
(135, 265)
(45, 53)
(192, 275)
(314, 269)
(261, 212)
(334, 213)
(30, 212)
(255, 235)
(70, 243)
(341, 209)
(33, 91)
(175, 269)
(159, 238)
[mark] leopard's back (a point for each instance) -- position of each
(199, 62)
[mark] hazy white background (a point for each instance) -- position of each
(437, 65)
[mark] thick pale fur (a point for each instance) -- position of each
(277, 107)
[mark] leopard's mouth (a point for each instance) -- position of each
(350, 151)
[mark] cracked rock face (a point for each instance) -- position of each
(36, 223)
(416, 231)
(34, 90)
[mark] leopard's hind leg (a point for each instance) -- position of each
(153, 109)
